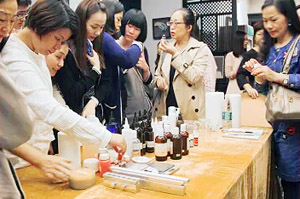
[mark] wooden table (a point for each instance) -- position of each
(218, 168)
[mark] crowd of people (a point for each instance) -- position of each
(59, 66)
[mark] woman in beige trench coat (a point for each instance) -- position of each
(180, 71)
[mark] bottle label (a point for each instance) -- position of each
(161, 149)
(171, 147)
(150, 144)
(188, 144)
(227, 115)
(144, 146)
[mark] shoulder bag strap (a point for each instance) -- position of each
(289, 56)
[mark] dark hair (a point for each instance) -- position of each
(24, 3)
(190, 18)
(238, 43)
(113, 7)
(257, 27)
(46, 16)
(298, 7)
(85, 10)
(288, 9)
(137, 18)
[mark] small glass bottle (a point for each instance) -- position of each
(113, 126)
(161, 147)
(195, 132)
(136, 145)
(185, 139)
(169, 137)
(179, 120)
(191, 140)
(227, 112)
(150, 140)
(104, 164)
(177, 145)
(143, 142)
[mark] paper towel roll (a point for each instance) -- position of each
(235, 102)
(213, 108)
(69, 148)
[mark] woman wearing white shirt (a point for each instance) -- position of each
(49, 23)
(233, 60)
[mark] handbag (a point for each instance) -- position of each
(283, 103)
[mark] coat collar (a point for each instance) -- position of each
(193, 43)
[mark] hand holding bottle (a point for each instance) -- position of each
(118, 140)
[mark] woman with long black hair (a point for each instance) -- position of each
(282, 27)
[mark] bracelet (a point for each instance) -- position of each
(96, 70)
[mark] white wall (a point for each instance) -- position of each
(254, 6)
(242, 7)
(156, 9)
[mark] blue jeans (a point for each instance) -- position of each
(287, 149)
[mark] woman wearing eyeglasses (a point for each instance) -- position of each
(180, 71)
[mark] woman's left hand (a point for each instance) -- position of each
(89, 109)
(94, 60)
(142, 64)
(167, 47)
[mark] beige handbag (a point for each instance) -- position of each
(283, 103)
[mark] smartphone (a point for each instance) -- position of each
(89, 48)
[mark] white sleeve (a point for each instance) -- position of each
(45, 106)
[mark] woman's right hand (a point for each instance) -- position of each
(161, 83)
(55, 167)
(251, 64)
(94, 60)
(118, 140)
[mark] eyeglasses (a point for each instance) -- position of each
(176, 23)
(21, 15)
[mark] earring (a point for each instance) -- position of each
(289, 24)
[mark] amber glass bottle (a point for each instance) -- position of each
(161, 147)
(185, 139)
(177, 145)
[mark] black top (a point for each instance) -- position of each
(74, 84)
(243, 76)
(171, 98)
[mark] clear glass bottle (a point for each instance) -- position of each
(227, 113)
(136, 145)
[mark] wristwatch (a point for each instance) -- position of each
(285, 81)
